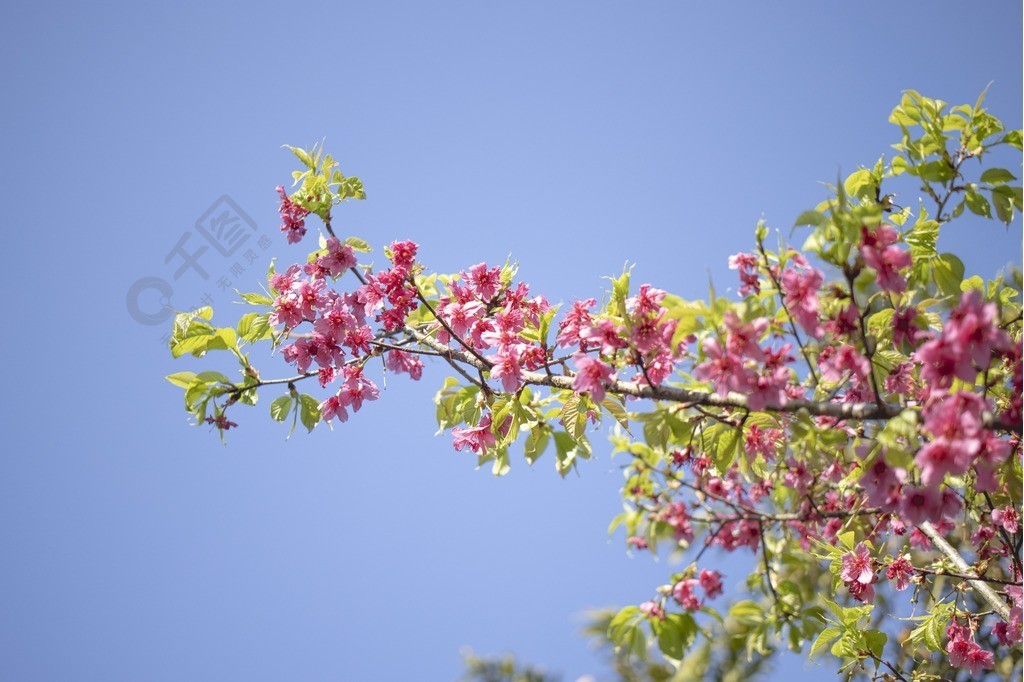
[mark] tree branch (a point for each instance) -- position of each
(982, 588)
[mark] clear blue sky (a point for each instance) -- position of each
(575, 135)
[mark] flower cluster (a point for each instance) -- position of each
(293, 218)
(684, 591)
(744, 366)
(964, 652)
(858, 573)
(878, 247)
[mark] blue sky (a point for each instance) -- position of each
(576, 136)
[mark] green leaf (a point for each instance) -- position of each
(997, 176)
(978, 204)
(948, 271)
(309, 412)
(536, 443)
(826, 636)
(973, 283)
(1006, 199)
(747, 612)
(811, 218)
(572, 419)
(256, 298)
(303, 156)
(501, 464)
(876, 641)
(617, 410)
(722, 442)
(675, 634)
(280, 408)
(254, 327)
(357, 244)
(181, 379)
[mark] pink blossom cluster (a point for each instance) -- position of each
(355, 388)
(744, 366)
(1011, 632)
(964, 652)
(293, 218)
(858, 573)
(339, 321)
(878, 247)
(955, 420)
(800, 285)
(684, 591)
(389, 295)
(643, 339)
(966, 344)
(486, 315)
(746, 264)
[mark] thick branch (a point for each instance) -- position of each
(982, 588)
(856, 411)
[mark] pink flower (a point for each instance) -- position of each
(1011, 632)
(338, 259)
(403, 254)
(711, 582)
(743, 337)
(880, 254)
(762, 442)
(401, 362)
(964, 652)
(356, 388)
(282, 282)
(723, 369)
(844, 359)
(592, 376)
(900, 380)
(683, 593)
(864, 593)
(647, 301)
(477, 438)
(801, 297)
(358, 340)
(882, 483)
(337, 318)
(746, 263)
(1007, 517)
(507, 368)
(858, 566)
(904, 326)
(286, 311)
(901, 571)
(483, 282)
(331, 408)
(606, 333)
(310, 295)
(636, 542)
(844, 323)
(675, 515)
(941, 457)
(576, 320)
(461, 316)
(298, 352)
(653, 610)
(293, 217)
(973, 326)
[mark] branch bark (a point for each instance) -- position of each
(982, 588)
